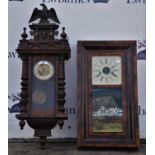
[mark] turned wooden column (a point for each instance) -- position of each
(61, 85)
(24, 84)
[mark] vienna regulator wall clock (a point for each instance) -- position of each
(43, 74)
(107, 94)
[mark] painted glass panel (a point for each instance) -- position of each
(107, 112)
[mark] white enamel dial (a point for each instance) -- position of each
(43, 70)
(106, 70)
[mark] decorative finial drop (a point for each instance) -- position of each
(63, 34)
(22, 124)
(24, 34)
(61, 123)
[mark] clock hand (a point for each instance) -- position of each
(98, 74)
(114, 74)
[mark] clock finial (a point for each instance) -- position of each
(24, 34)
(63, 34)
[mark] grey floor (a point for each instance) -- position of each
(63, 148)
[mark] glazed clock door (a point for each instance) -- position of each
(43, 86)
(106, 92)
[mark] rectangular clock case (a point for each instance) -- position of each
(107, 101)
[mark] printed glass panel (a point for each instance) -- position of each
(107, 110)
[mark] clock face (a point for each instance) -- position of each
(106, 70)
(43, 70)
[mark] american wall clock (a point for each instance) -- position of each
(107, 94)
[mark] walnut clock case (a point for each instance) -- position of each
(107, 105)
(43, 74)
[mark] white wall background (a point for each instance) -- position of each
(115, 20)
